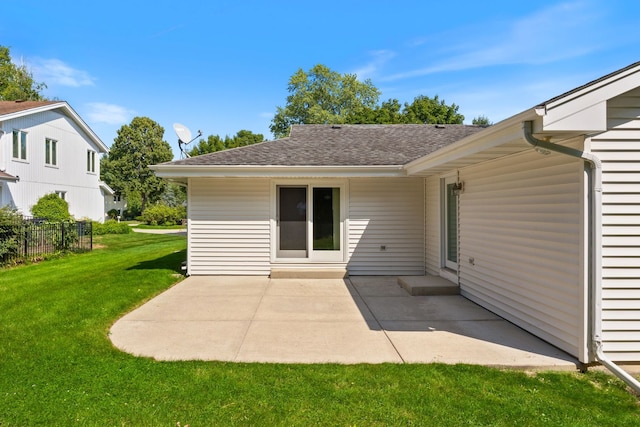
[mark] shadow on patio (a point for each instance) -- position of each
(356, 320)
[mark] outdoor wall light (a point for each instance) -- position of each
(457, 188)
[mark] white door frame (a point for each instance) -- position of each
(311, 256)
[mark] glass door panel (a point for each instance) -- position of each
(451, 225)
(292, 222)
(326, 219)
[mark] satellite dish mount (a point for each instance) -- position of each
(184, 138)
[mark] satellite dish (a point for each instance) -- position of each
(184, 134)
(184, 137)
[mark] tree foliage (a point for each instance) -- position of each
(52, 208)
(427, 110)
(481, 121)
(16, 81)
(126, 168)
(215, 143)
(323, 96)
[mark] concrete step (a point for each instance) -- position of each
(309, 273)
(428, 285)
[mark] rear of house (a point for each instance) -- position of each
(511, 213)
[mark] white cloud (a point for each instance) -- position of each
(56, 72)
(549, 35)
(379, 58)
(101, 112)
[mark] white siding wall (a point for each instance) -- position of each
(386, 212)
(432, 225)
(521, 242)
(70, 174)
(229, 226)
(619, 150)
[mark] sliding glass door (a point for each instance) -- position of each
(309, 223)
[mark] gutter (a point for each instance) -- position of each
(595, 247)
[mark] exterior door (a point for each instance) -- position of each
(450, 224)
(309, 223)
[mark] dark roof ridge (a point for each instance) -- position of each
(591, 83)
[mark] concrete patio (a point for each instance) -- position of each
(354, 320)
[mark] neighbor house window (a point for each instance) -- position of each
(116, 198)
(50, 152)
(61, 194)
(19, 145)
(91, 161)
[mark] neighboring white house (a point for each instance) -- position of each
(45, 147)
(115, 201)
(537, 218)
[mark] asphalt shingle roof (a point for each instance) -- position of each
(8, 107)
(340, 145)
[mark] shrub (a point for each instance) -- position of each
(11, 233)
(51, 208)
(113, 213)
(161, 214)
(111, 227)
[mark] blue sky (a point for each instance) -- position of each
(222, 66)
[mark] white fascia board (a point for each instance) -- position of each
(585, 110)
(503, 132)
(106, 188)
(69, 112)
(204, 171)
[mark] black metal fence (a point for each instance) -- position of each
(30, 239)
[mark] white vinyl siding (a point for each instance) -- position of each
(432, 225)
(521, 244)
(229, 226)
(386, 226)
(619, 150)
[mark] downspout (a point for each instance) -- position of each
(595, 247)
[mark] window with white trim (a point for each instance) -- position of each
(61, 194)
(19, 144)
(91, 161)
(50, 152)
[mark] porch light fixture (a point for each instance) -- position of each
(457, 188)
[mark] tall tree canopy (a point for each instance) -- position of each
(126, 168)
(325, 96)
(481, 120)
(16, 81)
(215, 143)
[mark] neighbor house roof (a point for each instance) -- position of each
(14, 109)
(7, 177)
(340, 145)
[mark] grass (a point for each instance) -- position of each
(58, 367)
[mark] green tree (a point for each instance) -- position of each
(432, 111)
(126, 168)
(52, 208)
(323, 96)
(481, 121)
(215, 143)
(16, 81)
(389, 112)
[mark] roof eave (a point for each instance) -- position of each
(461, 153)
(70, 111)
(177, 172)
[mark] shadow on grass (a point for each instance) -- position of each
(172, 261)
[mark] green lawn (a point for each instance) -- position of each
(57, 366)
